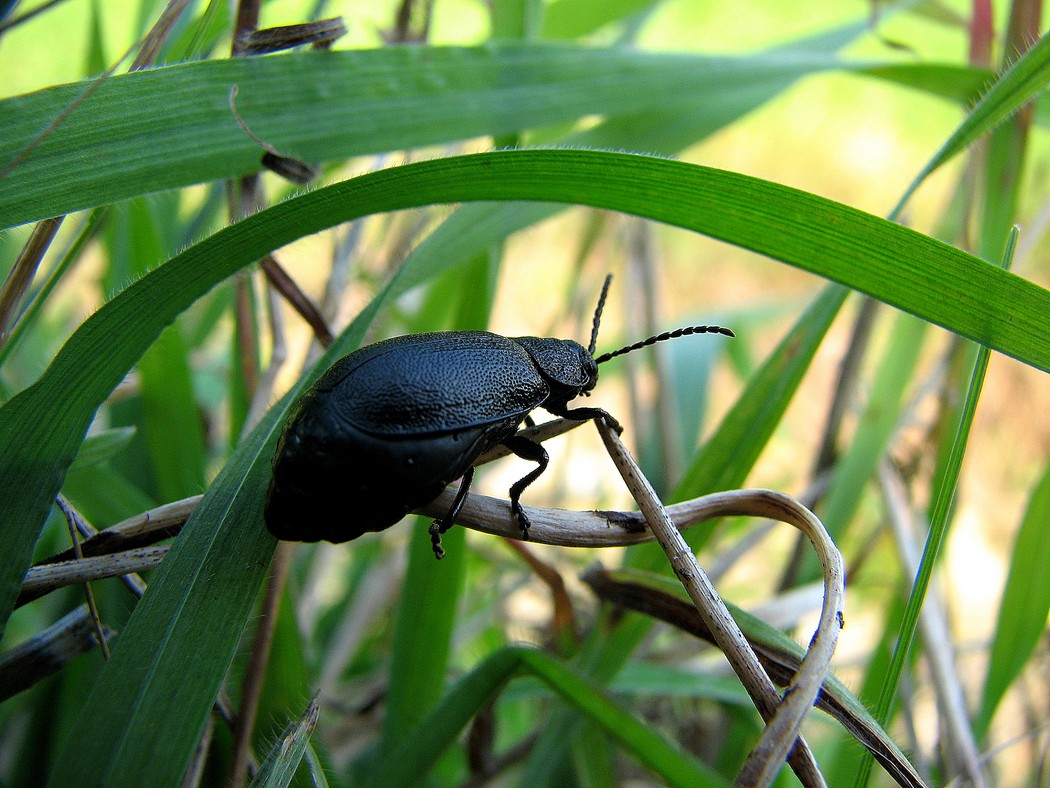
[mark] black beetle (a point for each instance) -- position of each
(389, 426)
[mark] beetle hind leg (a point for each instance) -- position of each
(527, 450)
(439, 527)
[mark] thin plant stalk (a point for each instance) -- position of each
(939, 522)
(960, 743)
(783, 716)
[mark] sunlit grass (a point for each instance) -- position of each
(350, 624)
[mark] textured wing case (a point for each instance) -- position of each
(389, 427)
(434, 383)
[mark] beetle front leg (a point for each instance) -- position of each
(439, 527)
(589, 414)
(527, 450)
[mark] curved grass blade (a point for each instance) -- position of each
(204, 591)
(423, 635)
(892, 263)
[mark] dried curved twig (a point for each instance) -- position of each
(653, 596)
(581, 529)
(780, 740)
(558, 527)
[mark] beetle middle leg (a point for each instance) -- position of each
(527, 450)
(439, 527)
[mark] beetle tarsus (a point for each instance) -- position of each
(439, 527)
(613, 424)
(527, 450)
(523, 520)
(591, 414)
(435, 539)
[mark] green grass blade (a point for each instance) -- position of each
(420, 750)
(283, 759)
(102, 446)
(959, 83)
(171, 421)
(1024, 606)
(289, 682)
(149, 703)
(934, 542)
(662, 757)
(422, 641)
(172, 126)
(940, 519)
(892, 263)
(1024, 80)
(573, 19)
(1004, 156)
(728, 456)
(878, 424)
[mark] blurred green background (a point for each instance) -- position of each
(854, 138)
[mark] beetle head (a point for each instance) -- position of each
(567, 366)
(570, 369)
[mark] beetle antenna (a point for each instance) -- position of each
(598, 314)
(678, 332)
